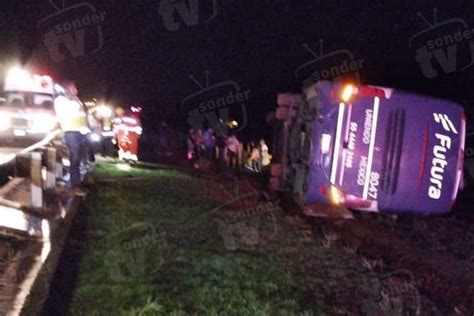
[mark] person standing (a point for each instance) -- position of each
(73, 121)
(190, 142)
(192, 148)
(264, 154)
(127, 129)
(209, 143)
(221, 149)
(93, 139)
(233, 149)
(200, 148)
(255, 158)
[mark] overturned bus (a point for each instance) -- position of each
(368, 148)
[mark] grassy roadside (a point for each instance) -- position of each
(154, 247)
(152, 251)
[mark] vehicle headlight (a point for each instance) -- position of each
(347, 92)
(43, 123)
(5, 122)
(104, 111)
(336, 195)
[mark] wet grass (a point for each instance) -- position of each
(120, 171)
(155, 248)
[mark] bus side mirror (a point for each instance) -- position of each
(3, 100)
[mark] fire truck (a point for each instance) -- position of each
(27, 115)
(27, 108)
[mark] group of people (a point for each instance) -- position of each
(206, 144)
(225, 150)
(79, 125)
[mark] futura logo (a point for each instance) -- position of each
(446, 122)
(335, 65)
(189, 11)
(447, 46)
(440, 159)
(72, 31)
(215, 105)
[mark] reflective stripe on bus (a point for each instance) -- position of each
(335, 158)
(346, 138)
(371, 146)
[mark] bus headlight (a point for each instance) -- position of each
(5, 122)
(347, 92)
(336, 195)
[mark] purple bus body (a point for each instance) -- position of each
(395, 153)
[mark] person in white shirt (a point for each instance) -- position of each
(233, 148)
(73, 121)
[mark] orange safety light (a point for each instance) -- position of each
(347, 92)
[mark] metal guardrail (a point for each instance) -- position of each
(22, 202)
(8, 157)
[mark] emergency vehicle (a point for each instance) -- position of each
(369, 148)
(27, 114)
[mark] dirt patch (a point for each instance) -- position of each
(427, 263)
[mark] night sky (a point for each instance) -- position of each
(140, 53)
